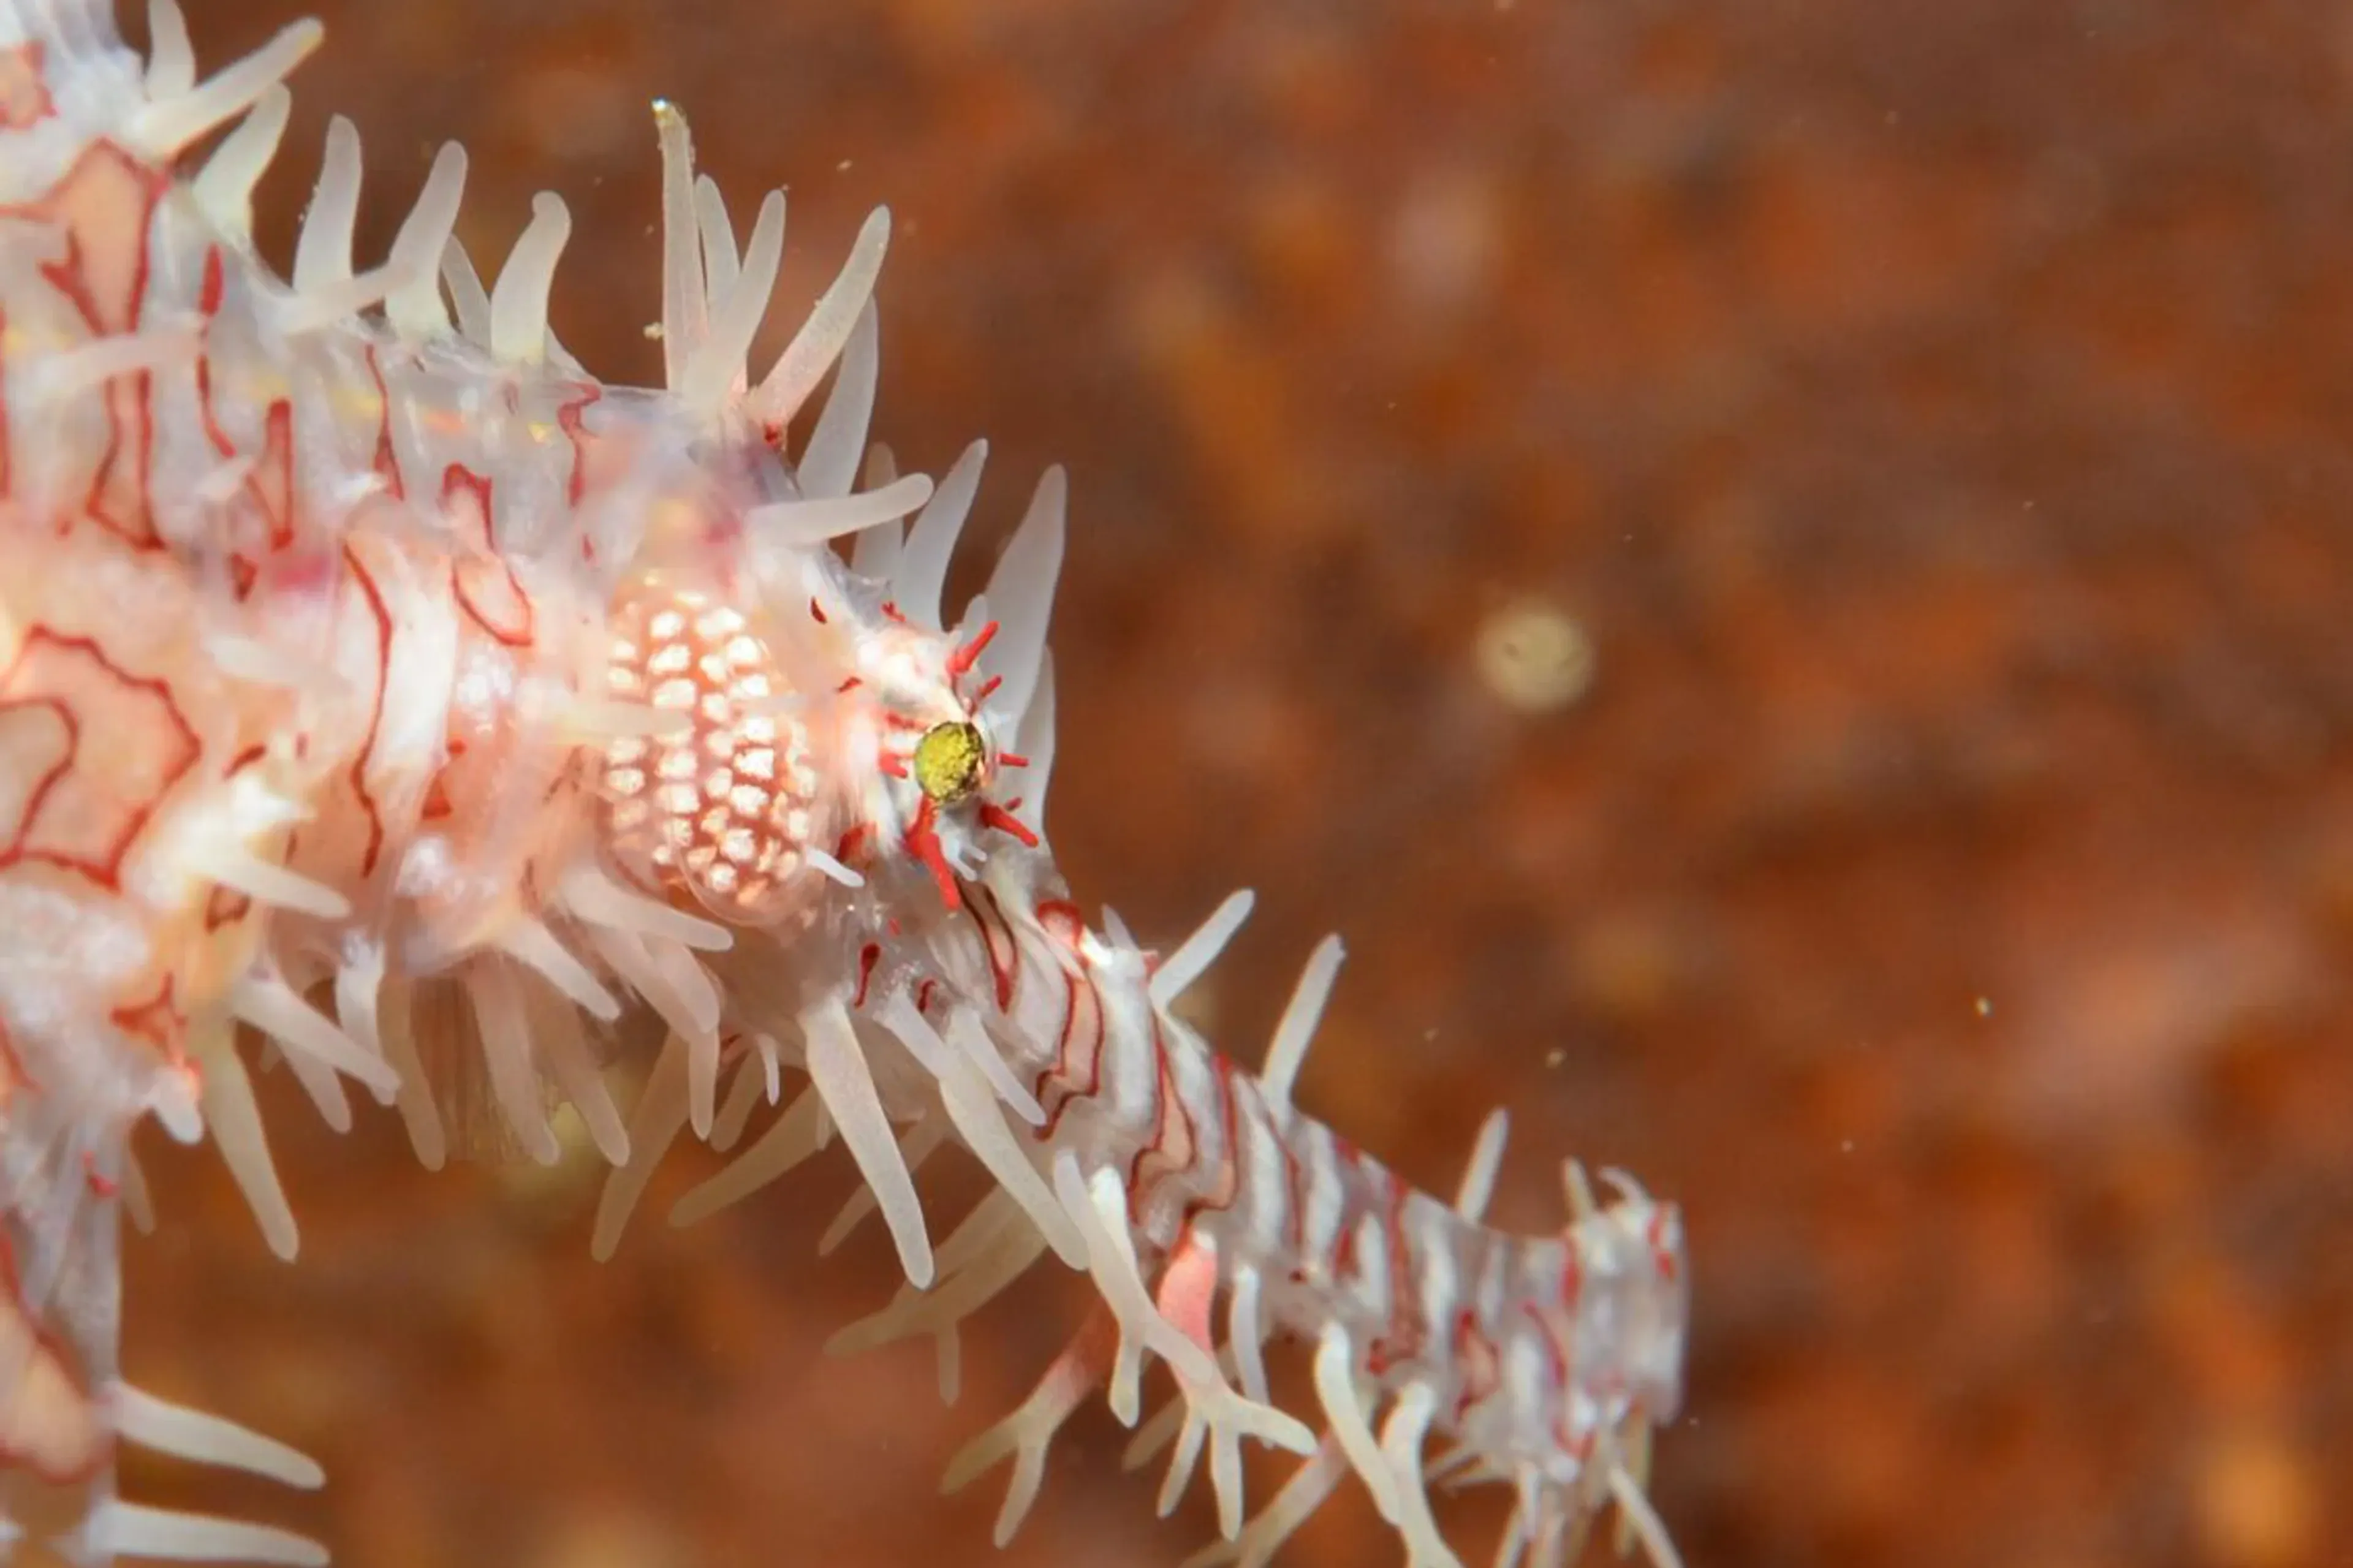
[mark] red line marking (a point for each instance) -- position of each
(997, 938)
(157, 1021)
(1059, 1085)
(133, 523)
(1295, 1182)
(105, 205)
(473, 578)
(1343, 1241)
(209, 304)
(270, 490)
(1173, 1143)
(375, 712)
(13, 1078)
(387, 460)
(86, 204)
(47, 668)
(1230, 1170)
(1475, 1353)
(571, 418)
(1662, 1258)
(1407, 1333)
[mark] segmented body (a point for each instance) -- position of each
(377, 686)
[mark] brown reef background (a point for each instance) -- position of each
(1930, 417)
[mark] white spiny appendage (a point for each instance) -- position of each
(1486, 1160)
(1026, 1435)
(118, 1529)
(1400, 1446)
(654, 1125)
(137, 1200)
(920, 580)
(759, 1079)
(412, 305)
(970, 1104)
(589, 894)
(805, 1128)
(165, 127)
(819, 341)
(270, 1005)
(531, 944)
(982, 1256)
(828, 464)
(1294, 1502)
(969, 1036)
(1193, 957)
(1021, 594)
(323, 251)
(266, 882)
(570, 1062)
(1180, 1425)
(874, 554)
(1034, 740)
(495, 991)
(319, 1082)
(234, 1119)
(1246, 1331)
(419, 1112)
(223, 187)
(666, 978)
(519, 298)
(469, 302)
(685, 310)
(917, 1144)
(152, 1422)
(804, 524)
(170, 58)
(1345, 1399)
(837, 1067)
(740, 290)
(1288, 1052)
(62, 375)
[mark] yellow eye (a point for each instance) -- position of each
(948, 761)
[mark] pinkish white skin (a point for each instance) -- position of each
(380, 691)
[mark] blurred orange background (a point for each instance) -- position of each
(1784, 573)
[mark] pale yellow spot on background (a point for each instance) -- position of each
(1535, 658)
